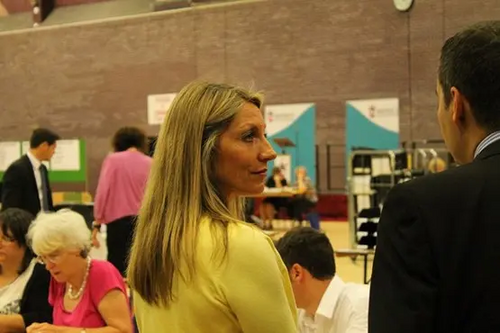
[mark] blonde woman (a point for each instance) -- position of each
(304, 203)
(194, 265)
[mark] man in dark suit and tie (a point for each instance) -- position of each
(437, 262)
(25, 183)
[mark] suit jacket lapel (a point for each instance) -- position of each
(30, 173)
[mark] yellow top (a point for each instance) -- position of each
(250, 292)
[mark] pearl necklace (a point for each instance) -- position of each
(84, 283)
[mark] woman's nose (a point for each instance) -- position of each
(268, 153)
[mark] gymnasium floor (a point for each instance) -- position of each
(348, 270)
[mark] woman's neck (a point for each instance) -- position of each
(76, 281)
(8, 273)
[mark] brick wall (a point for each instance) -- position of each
(88, 80)
(19, 6)
(16, 6)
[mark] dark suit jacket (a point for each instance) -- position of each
(437, 262)
(35, 307)
(19, 187)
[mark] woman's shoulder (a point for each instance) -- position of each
(241, 236)
(103, 275)
(102, 267)
(40, 273)
(247, 237)
(103, 270)
(38, 283)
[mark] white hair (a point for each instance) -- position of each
(62, 230)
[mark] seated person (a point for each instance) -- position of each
(326, 304)
(87, 294)
(270, 205)
(24, 284)
(304, 203)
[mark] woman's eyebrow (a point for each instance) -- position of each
(249, 126)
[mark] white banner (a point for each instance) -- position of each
(382, 112)
(9, 152)
(280, 117)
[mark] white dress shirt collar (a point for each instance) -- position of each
(330, 298)
(493, 137)
(34, 161)
(342, 309)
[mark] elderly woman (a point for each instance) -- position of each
(24, 284)
(195, 266)
(86, 294)
(119, 193)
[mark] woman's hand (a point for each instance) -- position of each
(95, 241)
(45, 328)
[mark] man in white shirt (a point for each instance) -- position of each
(326, 304)
(25, 183)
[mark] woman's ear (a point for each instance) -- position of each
(84, 253)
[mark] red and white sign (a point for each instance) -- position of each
(158, 106)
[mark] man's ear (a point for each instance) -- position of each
(296, 272)
(458, 107)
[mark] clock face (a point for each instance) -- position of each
(403, 5)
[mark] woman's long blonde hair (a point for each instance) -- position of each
(182, 188)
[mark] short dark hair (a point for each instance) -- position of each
(470, 62)
(15, 223)
(310, 249)
(130, 137)
(41, 135)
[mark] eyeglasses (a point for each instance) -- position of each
(51, 258)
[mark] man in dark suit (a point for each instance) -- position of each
(25, 183)
(436, 267)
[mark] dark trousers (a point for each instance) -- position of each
(119, 240)
(301, 207)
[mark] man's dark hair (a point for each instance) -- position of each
(310, 249)
(41, 135)
(15, 223)
(130, 137)
(470, 62)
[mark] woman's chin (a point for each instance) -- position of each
(59, 278)
(250, 190)
(256, 190)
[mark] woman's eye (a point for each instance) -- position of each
(249, 137)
